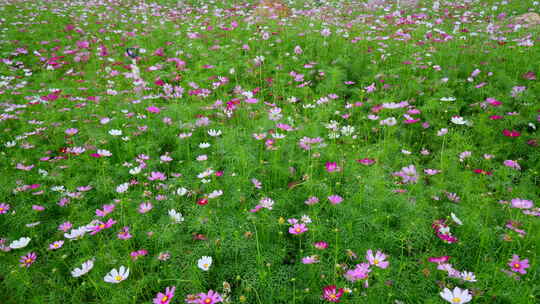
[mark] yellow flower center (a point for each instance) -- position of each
(516, 265)
(375, 261)
(102, 226)
(118, 278)
(55, 245)
(208, 301)
(333, 296)
(456, 300)
(205, 265)
(29, 260)
(297, 229)
(164, 299)
(1, 209)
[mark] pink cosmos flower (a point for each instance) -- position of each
(65, 226)
(4, 208)
(332, 167)
(335, 199)
(124, 233)
(157, 176)
(408, 174)
(312, 259)
(321, 245)
(521, 203)
(378, 259)
(298, 229)
(153, 109)
(165, 298)
(56, 245)
(312, 200)
(439, 260)
(359, 273)
(145, 207)
(38, 207)
(27, 260)
(366, 161)
(106, 210)
(211, 297)
(512, 133)
(518, 265)
(101, 226)
(512, 164)
(139, 253)
(331, 294)
(71, 131)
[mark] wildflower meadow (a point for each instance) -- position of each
(295, 151)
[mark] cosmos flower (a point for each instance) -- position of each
(20, 243)
(56, 245)
(518, 265)
(359, 273)
(456, 296)
(85, 268)
(117, 276)
(312, 259)
(4, 208)
(211, 297)
(320, 245)
(335, 199)
(165, 298)
(332, 294)
(298, 229)
(521, 203)
(27, 260)
(204, 263)
(378, 259)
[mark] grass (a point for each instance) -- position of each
(313, 83)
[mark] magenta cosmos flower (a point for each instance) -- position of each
(335, 199)
(518, 265)
(101, 226)
(321, 245)
(29, 259)
(378, 259)
(165, 298)
(4, 208)
(205, 298)
(331, 294)
(298, 229)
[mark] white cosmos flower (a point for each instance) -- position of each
(104, 152)
(204, 145)
(458, 120)
(215, 194)
(85, 268)
(122, 188)
(20, 243)
(456, 296)
(468, 276)
(76, 233)
(117, 276)
(181, 191)
(204, 263)
(10, 144)
(214, 133)
(135, 171)
(456, 219)
(448, 99)
(176, 216)
(115, 132)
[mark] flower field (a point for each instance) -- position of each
(317, 151)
